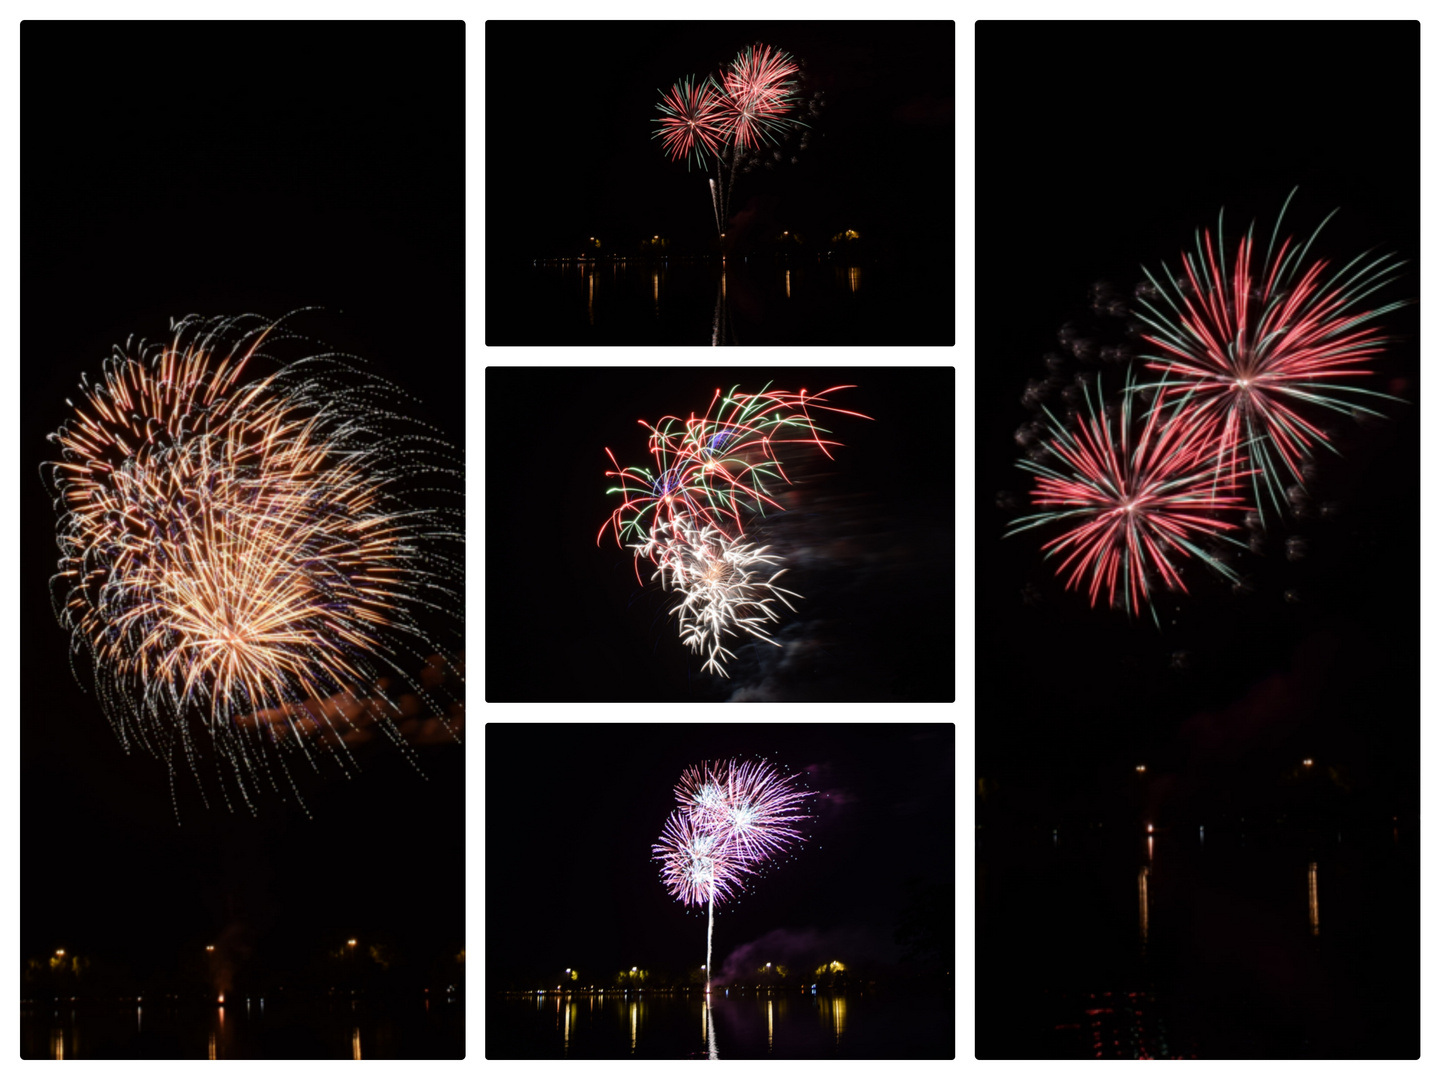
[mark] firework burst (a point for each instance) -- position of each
(687, 516)
(236, 545)
(697, 864)
(723, 587)
(1246, 355)
(714, 469)
(753, 101)
(695, 121)
(759, 810)
(732, 817)
(1136, 506)
(760, 93)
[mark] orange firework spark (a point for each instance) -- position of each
(233, 545)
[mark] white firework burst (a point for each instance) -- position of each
(727, 586)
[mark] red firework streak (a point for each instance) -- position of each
(1239, 356)
(1134, 510)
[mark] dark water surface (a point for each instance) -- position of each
(738, 1025)
(681, 302)
(245, 1029)
(1299, 944)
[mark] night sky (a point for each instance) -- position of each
(869, 538)
(570, 882)
(250, 168)
(1138, 155)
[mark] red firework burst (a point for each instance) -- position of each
(695, 120)
(1242, 356)
(1135, 506)
(759, 92)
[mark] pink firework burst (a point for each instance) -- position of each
(750, 803)
(763, 807)
(759, 93)
(697, 865)
(732, 816)
(1135, 508)
(694, 121)
(1247, 357)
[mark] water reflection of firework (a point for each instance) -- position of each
(236, 545)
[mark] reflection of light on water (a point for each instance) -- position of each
(770, 1005)
(212, 1046)
(655, 283)
(854, 279)
(1150, 848)
(787, 284)
(1314, 901)
(832, 1013)
(591, 278)
(355, 1044)
(572, 1007)
(714, 1052)
(57, 1043)
(1144, 904)
(634, 1016)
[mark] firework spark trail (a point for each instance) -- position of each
(715, 203)
(233, 546)
(1244, 356)
(688, 515)
(732, 817)
(1133, 505)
